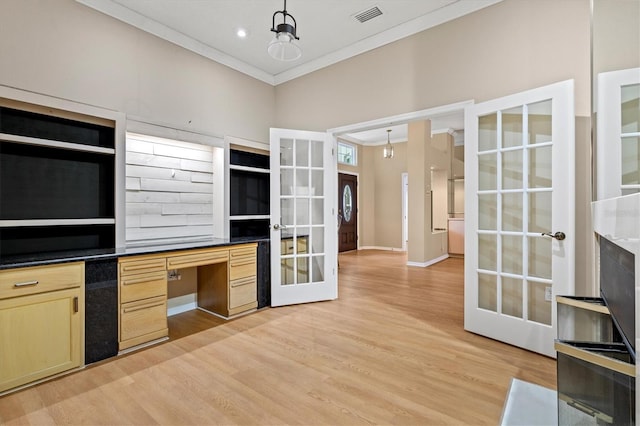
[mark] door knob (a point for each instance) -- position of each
(277, 226)
(558, 235)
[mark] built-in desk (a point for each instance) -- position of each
(226, 286)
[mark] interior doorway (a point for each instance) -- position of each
(348, 212)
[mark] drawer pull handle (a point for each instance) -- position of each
(141, 307)
(26, 283)
(240, 283)
(242, 262)
(131, 281)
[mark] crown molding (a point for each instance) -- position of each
(444, 14)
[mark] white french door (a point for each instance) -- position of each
(303, 217)
(618, 137)
(519, 214)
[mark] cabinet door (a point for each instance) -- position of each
(40, 335)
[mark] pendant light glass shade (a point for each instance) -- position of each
(388, 149)
(284, 47)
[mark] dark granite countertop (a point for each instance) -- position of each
(18, 261)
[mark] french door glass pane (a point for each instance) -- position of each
(487, 292)
(286, 273)
(512, 254)
(488, 132)
(286, 152)
(539, 308)
(488, 212)
(286, 182)
(540, 122)
(317, 268)
(317, 239)
(630, 97)
(512, 212)
(540, 167)
(512, 169)
(303, 269)
(512, 127)
(540, 212)
(630, 160)
(317, 212)
(487, 172)
(512, 296)
(302, 211)
(487, 252)
(317, 182)
(302, 182)
(539, 257)
(317, 157)
(286, 211)
(302, 153)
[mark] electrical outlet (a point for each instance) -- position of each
(547, 294)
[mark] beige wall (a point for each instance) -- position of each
(616, 35)
(64, 49)
(509, 47)
(388, 194)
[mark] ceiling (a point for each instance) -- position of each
(328, 30)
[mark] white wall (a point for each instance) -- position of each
(169, 190)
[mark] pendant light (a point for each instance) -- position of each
(388, 149)
(283, 47)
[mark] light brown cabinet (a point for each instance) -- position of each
(41, 322)
(143, 300)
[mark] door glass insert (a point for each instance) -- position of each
(488, 252)
(487, 292)
(487, 172)
(511, 296)
(488, 212)
(539, 302)
(347, 203)
(512, 211)
(540, 123)
(540, 167)
(512, 127)
(540, 205)
(286, 152)
(302, 153)
(303, 217)
(540, 257)
(512, 169)
(631, 160)
(512, 254)
(488, 132)
(630, 117)
(286, 271)
(317, 269)
(317, 238)
(317, 183)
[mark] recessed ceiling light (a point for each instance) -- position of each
(242, 33)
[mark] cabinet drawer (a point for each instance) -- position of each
(40, 279)
(197, 258)
(242, 267)
(143, 317)
(242, 251)
(141, 266)
(242, 292)
(143, 286)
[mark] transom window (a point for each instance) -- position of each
(347, 154)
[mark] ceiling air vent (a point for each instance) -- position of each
(367, 15)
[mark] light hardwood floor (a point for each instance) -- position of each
(390, 350)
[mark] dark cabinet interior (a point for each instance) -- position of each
(249, 194)
(57, 183)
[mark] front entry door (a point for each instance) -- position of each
(348, 212)
(519, 215)
(303, 217)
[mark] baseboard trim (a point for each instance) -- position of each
(380, 248)
(428, 262)
(178, 309)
